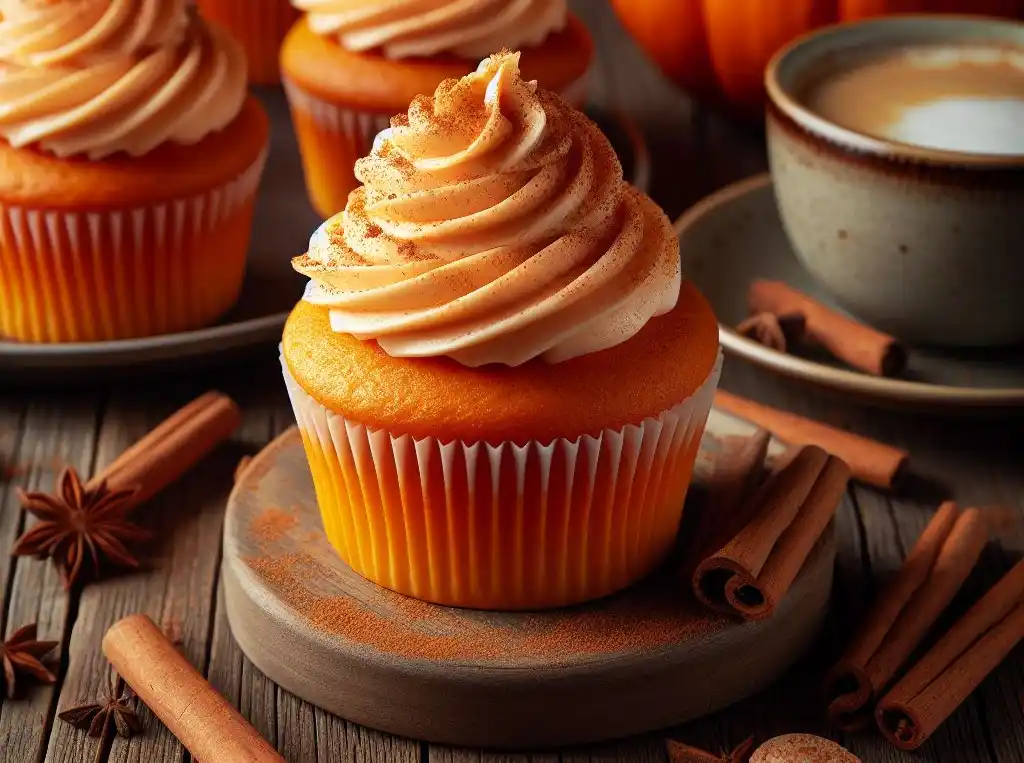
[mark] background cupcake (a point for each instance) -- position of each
(500, 378)
(348, 65)
(260, 25)
(130, 158)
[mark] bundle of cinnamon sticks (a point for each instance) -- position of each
(755, 538)
(860, 686)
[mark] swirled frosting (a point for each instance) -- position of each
(95, 77)
(493, 226)
(403, 28)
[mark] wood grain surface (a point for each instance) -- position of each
(976, 460)
(645, 659)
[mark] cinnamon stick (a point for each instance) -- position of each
(933, 572)
(205, 723)
(862, 347)
(870, 461)
(173, 447)
(751, 573)
(953, 668)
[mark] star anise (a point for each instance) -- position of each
(92, 717)
(684, 753)
(23, 654)
(80, 527)
(777, 332)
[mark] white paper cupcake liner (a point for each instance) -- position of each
(503, 526)
(74, 275)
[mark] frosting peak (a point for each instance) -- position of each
(403, 28)
(493, 226)
(96, 77)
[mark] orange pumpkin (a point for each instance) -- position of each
(717, 49)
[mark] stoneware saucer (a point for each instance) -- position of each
(282, 226)
(735, 236)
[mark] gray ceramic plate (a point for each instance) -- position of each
(735, 236)
(283, 223)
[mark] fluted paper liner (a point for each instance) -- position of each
(503, 526)
(71, 275)
(331, 138)
(260, 26)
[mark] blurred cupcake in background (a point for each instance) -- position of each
(500, 376)
(348, 65)
(130, 155)
(260, 25)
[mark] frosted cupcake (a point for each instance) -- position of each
(500, 378)
(348, 65)
(260, 26)
(130, 156)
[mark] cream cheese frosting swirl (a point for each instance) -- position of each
(404, 28)
(96, 77)
(493, 226)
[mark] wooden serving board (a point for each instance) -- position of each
(647, 658)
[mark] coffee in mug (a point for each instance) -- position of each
(966, 98)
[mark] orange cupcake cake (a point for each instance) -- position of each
(500, 377)
(348, 65)
(130, 156)
(260, 25)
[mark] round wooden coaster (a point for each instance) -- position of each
(647, 658)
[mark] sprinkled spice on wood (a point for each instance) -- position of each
(272, 524)
(428, 631)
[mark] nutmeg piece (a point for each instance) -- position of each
(802, 748)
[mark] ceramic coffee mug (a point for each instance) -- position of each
(926, 243)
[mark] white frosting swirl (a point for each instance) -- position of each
(96, 77)
(494, 226)
(404, 28)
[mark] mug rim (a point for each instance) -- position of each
(1006, 30)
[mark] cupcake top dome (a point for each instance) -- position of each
(95, 77)
(404, 28)
(493, 226)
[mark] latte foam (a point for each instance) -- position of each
(967, 99)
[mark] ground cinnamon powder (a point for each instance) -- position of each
(272, 524)
(656, 615)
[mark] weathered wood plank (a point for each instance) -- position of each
(227, 670)
(296, 727)
(175, 587)
(55, 432)
(644, 750)
(339, 741)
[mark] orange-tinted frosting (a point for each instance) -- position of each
(493, 226)
(404, 28)
(95, 77)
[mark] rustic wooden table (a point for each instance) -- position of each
(975, 460)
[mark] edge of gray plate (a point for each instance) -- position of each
(899, 391)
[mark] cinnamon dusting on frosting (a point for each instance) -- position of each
(493, 226)
(404, 28)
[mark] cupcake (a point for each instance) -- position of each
(500, 378)
(260, 25)
(348, 65)
(130, 156)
